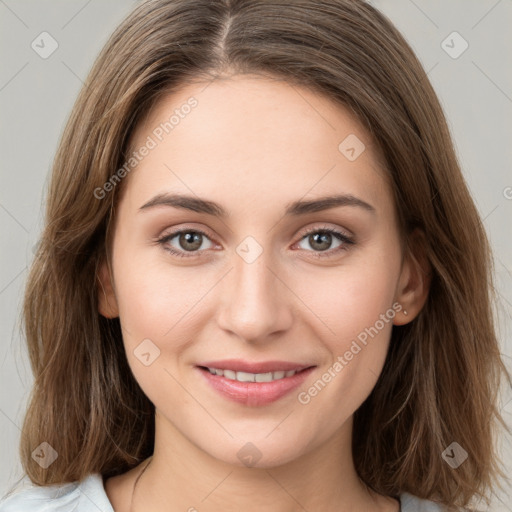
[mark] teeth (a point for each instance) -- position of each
(252, 377)
(230, 374)
(264, 377)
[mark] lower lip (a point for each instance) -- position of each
(255, 393)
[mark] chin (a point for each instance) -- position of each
(261, 452)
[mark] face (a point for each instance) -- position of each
(290, 298)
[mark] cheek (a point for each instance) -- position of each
(355, 305)
(351, 297)
(156, 302)
(156, 309)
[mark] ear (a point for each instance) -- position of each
(415, 277)
(107, 303)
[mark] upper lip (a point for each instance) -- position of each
(239, 365)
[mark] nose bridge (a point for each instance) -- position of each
(254, 300)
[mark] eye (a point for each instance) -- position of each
(191, 241)
(187, 240)
(321, 239)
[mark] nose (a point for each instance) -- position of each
(256, 302)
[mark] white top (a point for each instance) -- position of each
(89, 495)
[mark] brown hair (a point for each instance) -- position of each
(443, 370)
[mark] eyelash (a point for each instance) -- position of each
(346, 241)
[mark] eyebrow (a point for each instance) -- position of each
(295, 208)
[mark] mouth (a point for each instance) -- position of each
(251, 383)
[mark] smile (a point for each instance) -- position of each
(254, 384)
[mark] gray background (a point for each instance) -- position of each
(36, 96)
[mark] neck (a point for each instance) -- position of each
(182, 477)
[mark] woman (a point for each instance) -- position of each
(262, 282)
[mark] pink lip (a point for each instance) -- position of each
(255, 393)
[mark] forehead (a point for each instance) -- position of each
(263, 138)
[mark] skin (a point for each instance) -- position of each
(253, 145)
